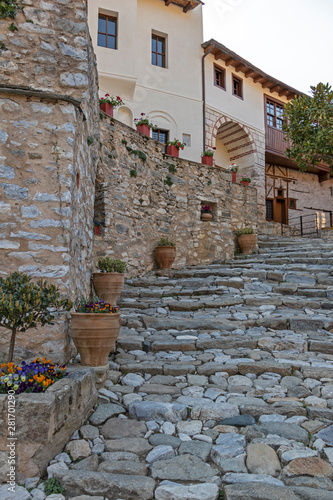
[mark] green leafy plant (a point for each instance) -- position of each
(245, 179)
(245, 230)
(172, 169)
(133, 173)
(108, 265)
(110, 99)
(209, 152)
(308, 126)
(94, 305)
(177, 143)
(3, 46)
(168, 181)
(13, 27)
(142, 155)
(144, 120)
(53, 487)
(165, 242)
(123, 141)
(24, 304)
(90, 140)
(233, 167)
(9, 8)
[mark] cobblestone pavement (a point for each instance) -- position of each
(221, 386)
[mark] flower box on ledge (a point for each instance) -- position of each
(207, 160)
(245, 183)
(144, 129)
(107, 108)
(234, 176)
(173, 150)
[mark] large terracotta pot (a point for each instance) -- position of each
(107, 108)
(165, 256)
(207, 160)
(144, 129)
(247, 242)
(108, 286)
(94, 336)
(173, 151)
(206, 216)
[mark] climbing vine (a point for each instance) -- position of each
(9, 8)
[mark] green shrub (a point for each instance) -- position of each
(165, 242)
(108, 265)
(245, 230)
(53, 487)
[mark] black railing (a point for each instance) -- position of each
(310, 224)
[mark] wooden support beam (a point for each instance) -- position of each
(273, 89)
(167, 2)
(265, 84)
(218, 54)
(283, 92)
(187, 7)
(229, 61)
(257, 78)
(239, 67)
(290, 96)
(248, 73)
(324, 177)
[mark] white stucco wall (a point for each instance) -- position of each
(171, 96)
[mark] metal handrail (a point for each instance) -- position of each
(303, 224)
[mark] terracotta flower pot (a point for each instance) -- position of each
(173, 151)
(97, 230)
(144, 129)
(165, 256)
(245, 183)
(107, 108)
(206, 216)
(247, 242)
(94, 336)
(234, 176)
(108, 286)
(207, 160)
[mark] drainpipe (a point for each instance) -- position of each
(204, 94)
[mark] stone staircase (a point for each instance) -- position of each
(221, 385)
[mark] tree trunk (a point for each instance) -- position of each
(11, 345)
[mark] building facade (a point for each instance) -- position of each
(150, 52)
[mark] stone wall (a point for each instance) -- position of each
(137, 206)
(45, 422)
(49, 142)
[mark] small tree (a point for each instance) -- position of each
(309, 126)
(24, 304)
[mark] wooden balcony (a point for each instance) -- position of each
(275, 142)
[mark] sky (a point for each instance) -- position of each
(291, 40)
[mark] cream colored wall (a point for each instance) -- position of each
(249, 110)
(171, 96)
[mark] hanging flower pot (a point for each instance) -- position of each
(107, 108)
(173, 151)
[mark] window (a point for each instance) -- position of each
(269, 209)
(274, 113)
(237, 86)
(187, 140)
(158, 51)
(219, 77)
(292, 203)
(107, 31)
(161, 136)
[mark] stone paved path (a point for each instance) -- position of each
(221, 386)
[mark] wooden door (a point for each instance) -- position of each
(280, 210)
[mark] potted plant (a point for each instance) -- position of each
(233, 169)
(108, 102)
(174, 147)
(247, 239)
(97, 227)
(207, 157)
(95, 327)
(165, 253)
(206, 212)
(109, 282)
(245, 181)
(24, 305)
(143, 124)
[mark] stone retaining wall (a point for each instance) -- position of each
(137, 206)
(45, 422)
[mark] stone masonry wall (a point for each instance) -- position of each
(49, 140)
(137, 206)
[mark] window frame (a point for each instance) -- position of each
(272, 201)
(274, 102)
(223, 72)
(290, 201)
(113, 18)
(159, 36)
(164, 131)
(240, 81)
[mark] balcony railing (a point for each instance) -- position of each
(275, 141)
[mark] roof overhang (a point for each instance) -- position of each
(221, 52)
(186, 5)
